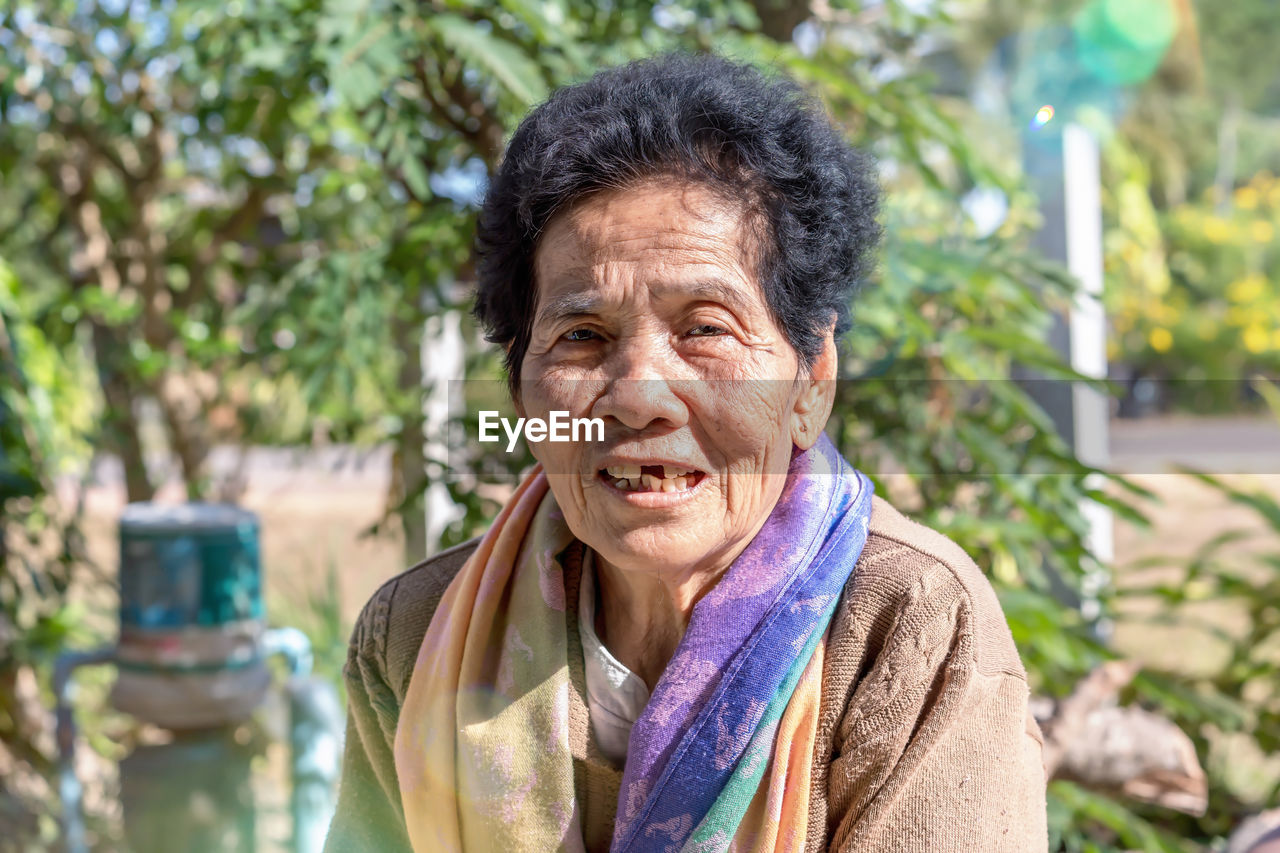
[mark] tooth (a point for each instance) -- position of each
(680, 481)
(649, 482)
(633, 471)
(620, 483)
(670, 472)
(634, 482)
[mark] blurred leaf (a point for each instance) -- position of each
(511, 67)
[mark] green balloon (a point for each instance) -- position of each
(1123, 41)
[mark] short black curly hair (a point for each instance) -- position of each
(754, 138)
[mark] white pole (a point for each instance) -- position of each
(442, 364)
(1082, 183)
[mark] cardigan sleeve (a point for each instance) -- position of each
(938, 747)
(369, 816)
(380, 661)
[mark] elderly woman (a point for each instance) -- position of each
(703, 632)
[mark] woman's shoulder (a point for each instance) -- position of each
(923, 695)
(389, 630)
(912, 575)
(906, 572)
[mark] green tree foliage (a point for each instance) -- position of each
(40, 549)
(149, 163)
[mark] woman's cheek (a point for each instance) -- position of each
(748, 417)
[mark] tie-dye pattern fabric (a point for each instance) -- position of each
(720, 758)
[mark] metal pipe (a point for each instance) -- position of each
(69, 787)
(291, 644)
(315, 739)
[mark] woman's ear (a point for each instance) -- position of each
(817, 395)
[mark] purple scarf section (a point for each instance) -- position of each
(820, 488)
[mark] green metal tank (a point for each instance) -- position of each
(190, 654)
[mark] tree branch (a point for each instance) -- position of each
(441, 108)
(1123, 750)
(488, 138)
(779, 18)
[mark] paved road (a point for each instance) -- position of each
(1222, 445)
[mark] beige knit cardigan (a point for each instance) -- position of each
(925, 742)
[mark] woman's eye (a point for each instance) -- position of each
(579, 335)
(707, 330)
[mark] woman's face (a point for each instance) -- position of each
(650, 317)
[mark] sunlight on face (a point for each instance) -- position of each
(649, 316)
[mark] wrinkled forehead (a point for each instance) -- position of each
(657, 205)
(670, 238)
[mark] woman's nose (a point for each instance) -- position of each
(640, 375)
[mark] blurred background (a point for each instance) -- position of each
(235, 266)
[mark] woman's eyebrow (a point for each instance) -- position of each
(583, 303)
(574, 304)
(715, 290)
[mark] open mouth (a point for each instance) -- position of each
(651, 478)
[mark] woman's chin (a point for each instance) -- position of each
(669, 555)
(652, 531)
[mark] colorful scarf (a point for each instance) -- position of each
(721, 756)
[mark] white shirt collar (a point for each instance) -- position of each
(615, 694)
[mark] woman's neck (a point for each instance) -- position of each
(642, 617)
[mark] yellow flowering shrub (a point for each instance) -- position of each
(1193, 293)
